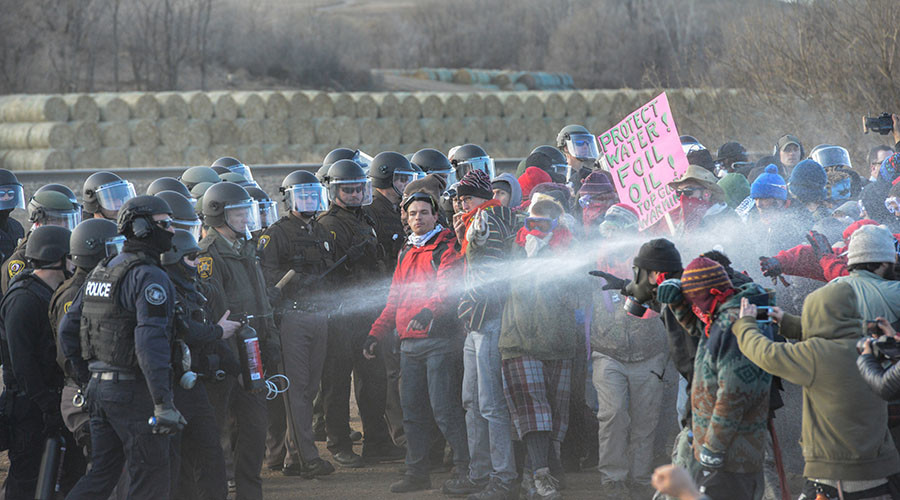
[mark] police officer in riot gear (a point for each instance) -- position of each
(298, 243)
(581, 150)
(183, 214)
(432, 161)
(228, 264)
(51, 205)
(104, 193)
(30, 373)
(127, 309)
(349, 190)
(201, 357)
(195, 175)
(268, 209)
(558, 163)
(470, 157)
(170, 184)
(233, 165)
(11, 197)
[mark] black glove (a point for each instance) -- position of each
(167, 419)
(612, 282)
(359, 250)
(369, 344)
(274, 294)
(421, 320)
(53, 422)
(770, 266)
(819, 243)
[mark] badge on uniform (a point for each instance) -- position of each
(15, 267)
(66, 306)
(327, 246)
(155, 294)
(204, 267)
(263, 242)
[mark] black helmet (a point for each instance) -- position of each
(431, 161)
(54, 207)
(92, 241)
(338, 154)
(233, 165)
(391, 169)
(346, 173)
(195, 175)
(558, 162)
(690, 144)
(105, 190)
(302, 192)
(578, 142)
(183, 243)
(168, 184)
(197, 192)
(219, 170)
(471, 157)
(322, 172)
(227, 204)
(238, 179)
(135, 214)
(47, 245)
(268, 210)
(183, 214)
(12, 195)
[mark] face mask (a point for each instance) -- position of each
(159, 240)
(693, 210)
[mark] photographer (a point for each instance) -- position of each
(884, 381)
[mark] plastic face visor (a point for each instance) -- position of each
(241, 169)
(832, 156)
(11, 197)
(483, 163)
(191, 226)
(362, 159)
(448, 175)
(306, 198)
(583, 146)
(243, 217)
(63, 218)
(402, 178)
(114, 245)
(113, 195)
(560, 168)
(351, 192)
(268, 213)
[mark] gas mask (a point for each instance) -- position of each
(639, 292)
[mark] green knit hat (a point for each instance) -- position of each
(736, 187)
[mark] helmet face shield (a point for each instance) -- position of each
(114, 245)
(63, 218)
(11, 197)
(351, 192)
(268, 213)
(483, 163)
(191, 226)
(241, 169)
(448, 175)
(113, 195)
(307, 198)
(243, 217)
(363, 160)
(832, 156)
(402, 178)
(583, 146)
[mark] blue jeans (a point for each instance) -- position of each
(428, 366)
(487, 414)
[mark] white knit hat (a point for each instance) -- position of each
(871, 244)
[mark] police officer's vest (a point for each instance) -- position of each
(59, 305)
(107, 329)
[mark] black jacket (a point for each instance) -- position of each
(885, 383)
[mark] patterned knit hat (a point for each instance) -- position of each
(705, 284)
(890, 168)
(475, 183)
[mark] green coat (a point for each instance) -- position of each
(844, 433)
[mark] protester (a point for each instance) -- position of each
(736, 188)
(506, 189)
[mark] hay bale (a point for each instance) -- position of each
(388, 104)
(390, 130)
(112, 108)
(300, 154)
(35, 159)
(344, 105)
(142, 105)
(370, 132)
(200, 106)
(250, 105)
(410, 107)
(87, 159)
(275, 131)
(198, 133)
(473, 130)
(512, 105)
(251, 154)
(52, 135)
(517, 149)
(300, 106)
(82, 107)
(249, 131)
(173, 134)
(538, 130)
(114, 157)
(533, 106)
(144, 135)
(218, 151)
(433, 131)
(277, 106)
(348, 131)
(554, 104)
(474, 105)
(454, 132)
(277, 154)
(301, 131)
(494, 129)
(496, 149)
(194, 156)
(493, 106)
(169, 157)
(453, 105)
(432, 106)
(114, 135)
(322, 105)
(222, 131)
(576, 106)
(410, 132)
(86, 135)
(366, 107)
(326, 131)
(601, 103)
(516, 129)
(224, 106)
(33, 108)
(463, 76)
(172, 105)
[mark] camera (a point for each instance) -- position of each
(882, 124)
(883, 347)
(762, 313)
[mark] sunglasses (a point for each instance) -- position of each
(351, 190)
(688, 191)
(165, 223)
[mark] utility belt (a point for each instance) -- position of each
(114, 376)
(832, 493)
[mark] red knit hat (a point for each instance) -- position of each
(705, 285)
(856, 225)
(531, 178)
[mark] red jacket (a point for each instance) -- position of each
(424, 278)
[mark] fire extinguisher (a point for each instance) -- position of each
(251, 359)
(50, 473)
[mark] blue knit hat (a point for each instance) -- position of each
(807, 182)
(769, 185)
(890, 168)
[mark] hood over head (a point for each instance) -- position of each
(831, 313)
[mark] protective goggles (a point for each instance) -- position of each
(420, 196)
(583, 146)
(11, 197)
(113, 195)
(351, 192)
(306, 198)
(892, 204)
(542, 224)
(243, 217)
(594, 199)
(483, 163)
(191, 226)
(268, 213)
(114, 245)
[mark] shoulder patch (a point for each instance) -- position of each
(263, 242)
(333, 235)
(66, 306)
(155, 294)
(15, 267)
(205, 267)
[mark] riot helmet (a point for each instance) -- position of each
(558, 163)
(105, 191)
(51, 207)
(234, 165)
(46, 246)
(227, 204)
(690, 144)
(432, 161)
(170, 184)
(830, 156)
(195, 175)
(197, 192)
(322, 172)
(268, 210)
(136, 217)
(302, 192)
(183, 244)
(348, 185)
(391, 169)
(184, 215)
(238, 179)
(471, 157)
(92, 241)
(12, 195)
(578, 142)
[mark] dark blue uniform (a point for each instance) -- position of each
(122, 396)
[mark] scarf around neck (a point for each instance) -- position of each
(420, 241)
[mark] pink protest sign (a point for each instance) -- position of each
(643, 153)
